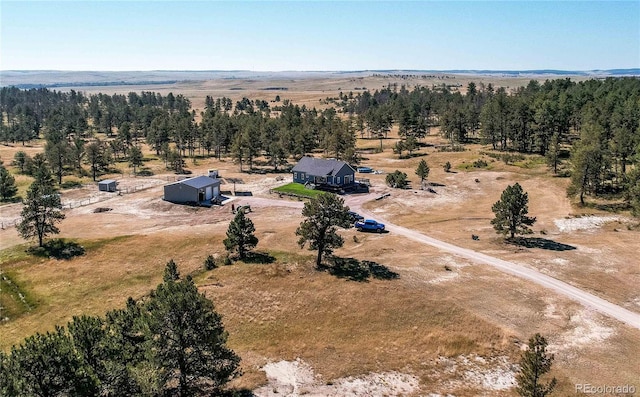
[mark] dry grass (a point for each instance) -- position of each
(286, 309)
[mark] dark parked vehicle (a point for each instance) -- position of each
(369, 226)
(354, 216)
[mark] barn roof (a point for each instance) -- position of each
(314, 166)
(200, 181)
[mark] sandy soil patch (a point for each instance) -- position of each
(297, 378)
(586, 331)
(494, 373)
(583, 223)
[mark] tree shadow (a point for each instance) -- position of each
(381, 272)
(354, 270)
(537, 242)
(58, 248)
(412, 155)
(615, 207)
(259, 258)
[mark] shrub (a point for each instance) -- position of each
(210, 263)
(447, 167)
(480, 163)
(145, 172)
(397, 179)
(227, 261)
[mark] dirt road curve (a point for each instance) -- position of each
(589, 300)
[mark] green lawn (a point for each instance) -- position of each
(298, 189)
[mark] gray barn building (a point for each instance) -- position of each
(108, 185)
(193, 190)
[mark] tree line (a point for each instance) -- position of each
(595, 124)
(98, 130)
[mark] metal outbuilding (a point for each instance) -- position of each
(108, 185)
(200, 189)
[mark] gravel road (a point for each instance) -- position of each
(585, 298)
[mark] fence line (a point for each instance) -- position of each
(8, 224)
(91, 200)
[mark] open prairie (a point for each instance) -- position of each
(446, 326)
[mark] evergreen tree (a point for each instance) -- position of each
(188, 339)
(587, 159)
(135, 158)
(96, 345)
(96, 157)
(422, 171)
(8, 187)
(633, 191)
(8, 376)
(511, 212)
(47, 365)
(240, 235)
(534, 364)
(41, 211)
(22, 161)
(41, 171)
(553, 154)
(324, 213)
(171, 272)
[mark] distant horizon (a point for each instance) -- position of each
(319, 36)
(318, 70)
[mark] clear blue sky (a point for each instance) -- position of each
(319, 35)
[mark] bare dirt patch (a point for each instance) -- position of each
(583, 223)
(297, 378)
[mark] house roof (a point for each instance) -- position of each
(106, 182)
(314, 166)
(199, 182)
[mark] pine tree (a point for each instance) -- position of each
(41, 171)
(41, 211)
(135, 158)
(553, 154)
(47, 365)
(422, 171)
(8, 187)
(511, 212)
(534, 364)
(324, 214)
(22, 161)
(240, 235)
(188, 339)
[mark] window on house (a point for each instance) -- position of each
(295, 175)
